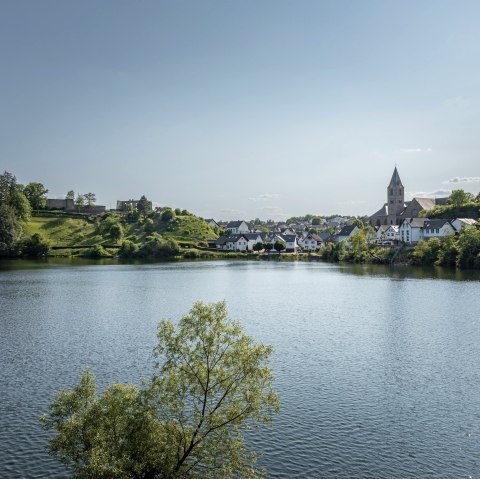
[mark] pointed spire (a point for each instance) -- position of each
(395, 181)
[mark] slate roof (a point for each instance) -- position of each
(383, 211)
(395, 181)
(229, 239)
(426, 203)
(347, 230)
(288, 238)
(416, 222)
(438, 223)
(234, 224)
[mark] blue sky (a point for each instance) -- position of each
(241, 109)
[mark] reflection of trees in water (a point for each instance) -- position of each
(400, 273)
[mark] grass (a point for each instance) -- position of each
(70, 232)
(66, 232)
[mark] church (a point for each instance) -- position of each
(396, 209)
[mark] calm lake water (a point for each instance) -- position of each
(378, 369)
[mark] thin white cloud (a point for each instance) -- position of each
(427, 194)
(264, 197)
(417, 150)
(465, 179)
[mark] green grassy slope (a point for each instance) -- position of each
(71, 232)
(64, 231)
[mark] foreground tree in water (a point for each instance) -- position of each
(210, 383)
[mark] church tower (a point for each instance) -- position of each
(395, 198)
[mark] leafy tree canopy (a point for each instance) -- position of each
(36, 194)
(210, 383)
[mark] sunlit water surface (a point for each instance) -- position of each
(377, 369)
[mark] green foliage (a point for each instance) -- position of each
(258, 246)
(157, 247)
(268, 247)
(167, 214)
(144, 206)
(80, 201)
(468, 247)
(70, 195)
(426, 251)
(35, 246)
(36, 194)
(279, 246)
(210, 383)
(15, 210)
(97, 252)
(116, 232)
(10, 230)
(178, 211)
(149, 226)
(460, 198)
(90, 199)
(128, 249)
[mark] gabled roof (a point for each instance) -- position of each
(229, 239)
(415, 222)
(347, 230)
(437, 223)
(235, 224)
(383, 211)
(288, 238)
(425, 203)
(395, 181)
(393, 227)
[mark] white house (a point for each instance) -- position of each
(392, 233)
(238, 227)
(380, 233)
(310, 242)
(411, 230)
(291, 244)
(460, 223)
(437, 228)
(347, 232)
(236, 243)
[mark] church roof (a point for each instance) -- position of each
(395, 181)
(383, 211)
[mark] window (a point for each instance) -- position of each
(391, 191)
(438, 230)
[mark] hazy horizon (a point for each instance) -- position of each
(241, 109)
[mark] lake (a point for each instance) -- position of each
(378, 369)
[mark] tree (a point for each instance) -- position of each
(70, 195)
(10, 230)
(459, 198)
(279, 246)
(36, 194)
(268, 247)
(116, 232)
(35, 246)
(167, 214)
(210, 383)
(90, 198)
(178, 211)
(80, 201)
(144, 206)
(14, 212)
(258, 246)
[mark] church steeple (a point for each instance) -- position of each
(395, 198)
(395, 181)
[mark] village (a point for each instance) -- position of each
(398, 222)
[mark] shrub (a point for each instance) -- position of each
(35, 246)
